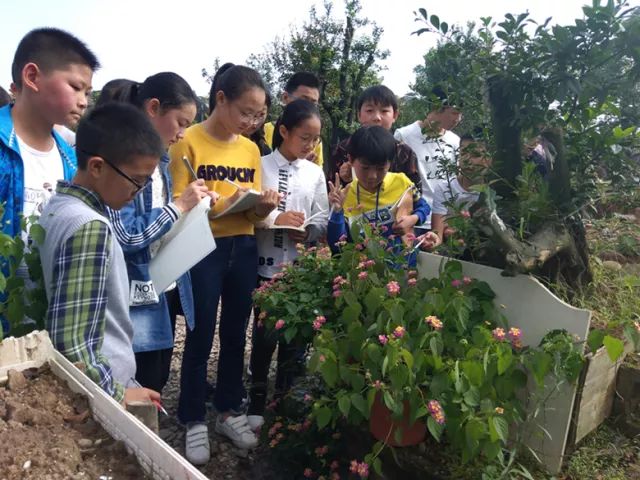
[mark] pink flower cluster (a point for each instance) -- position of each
(436, 411)
(338, 282)
(456, 283)
(393, 288)
(412, 282)
(366, 264)
(434, 321)
(467, 280)
(399, 332)
(359, 468)
(383, 339)
(319, 322)
(363, 275)
(321, 451)
(514, 334)
(279, 324)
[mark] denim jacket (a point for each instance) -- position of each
(137, 226)
(12, 171)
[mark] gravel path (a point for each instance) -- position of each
(227, 461)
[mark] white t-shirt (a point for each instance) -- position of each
(42, 170)
(451, 192)
(429, 151)
(303, 186)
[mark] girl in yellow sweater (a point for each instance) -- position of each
(218, 152)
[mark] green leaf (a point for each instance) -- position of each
(389, 401)
(594, 340)
(385, 365)
(614, 347)
(423, 12)
(474, 372)
(501, 426)
(377, 466)
(444, 27)
(323, 417)
(344, 404)
(435, 429)
(329, 371)
(472, 397)
(37, 233)
(505, 358)
(358, 401)
(435, 21)
(289, 333)
(371, 397)
(408, 358)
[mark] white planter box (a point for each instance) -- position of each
(157, 458)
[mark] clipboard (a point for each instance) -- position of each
(189, 241)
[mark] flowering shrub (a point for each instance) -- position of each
(437, 348)
(295, 301)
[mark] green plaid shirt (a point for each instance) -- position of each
(78, 301)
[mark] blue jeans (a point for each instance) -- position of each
(230, 272)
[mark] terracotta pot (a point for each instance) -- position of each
(383, 426)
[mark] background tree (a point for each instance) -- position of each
(575, 85)
(344, 53)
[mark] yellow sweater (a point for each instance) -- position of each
(213, 161)
(270, 127)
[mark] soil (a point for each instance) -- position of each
(46, 432)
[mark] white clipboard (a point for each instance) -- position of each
(189, 241)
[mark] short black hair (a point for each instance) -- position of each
(372, 145)
(5, 98)
(117, 132)
(378, 95)
(50, 49)
(116, 90)
(306, 79)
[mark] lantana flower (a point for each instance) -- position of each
(436, 411)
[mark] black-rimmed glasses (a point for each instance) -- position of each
(121, 173)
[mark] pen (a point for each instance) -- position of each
(239, 187)
(185, 160)
(155, 402)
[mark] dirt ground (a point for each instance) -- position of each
(46, 433)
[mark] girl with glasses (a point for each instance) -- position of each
(302, 187)
(219, 153)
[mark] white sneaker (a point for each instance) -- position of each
(255, 422)
(197, 443)
(237, 430)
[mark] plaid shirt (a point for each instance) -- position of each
(78, 302)
(405, 162)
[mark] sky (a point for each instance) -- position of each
(137, 38)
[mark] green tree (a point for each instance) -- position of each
(577, 86)
(343, 53)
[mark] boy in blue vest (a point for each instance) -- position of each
(84, 268)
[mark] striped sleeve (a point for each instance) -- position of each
(136, 231)
(77, 309)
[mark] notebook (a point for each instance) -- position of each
(246, 200)
(301, 228)
(189, 241)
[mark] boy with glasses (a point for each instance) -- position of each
(84, 268)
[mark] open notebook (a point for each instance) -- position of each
(189, 241)
(302, 227)
(246, 200)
